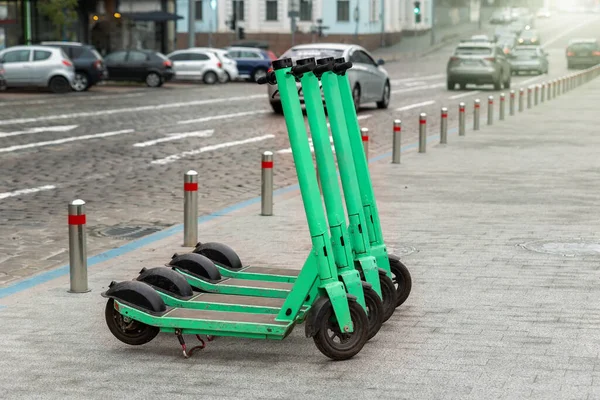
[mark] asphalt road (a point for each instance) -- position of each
(124, 150)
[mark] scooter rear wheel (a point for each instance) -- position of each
(127, 331)
(401, 279)
(374, 311)
(388, 295)
(337, 345)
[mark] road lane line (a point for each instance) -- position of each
(222, 116)
(75, 97)
(65, 140)
(205, 133)
(418, 78)
(460, 96)
(414, 89)
(175, 157)
(565, 33)
(525, 82)
(20, 192)
(130, 109)
(416, 105)
(62, 128)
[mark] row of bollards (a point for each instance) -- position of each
(540, 93)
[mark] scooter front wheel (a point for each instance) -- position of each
(388, 295)
(374, 311)
(339, 345)
(401, 279)
(128, 330)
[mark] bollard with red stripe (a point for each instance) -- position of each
(529, 97)
(190, 208)
(476, 114)
(77, 247)
(543, 92)
(521, 99)
(461, 119)
(490, 112)
(266, 187)
(422, 133)
(396, 141)
(364, 133)
(536, 97)
(444, 126)
(502, 103)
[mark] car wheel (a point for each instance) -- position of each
(450, 85)
(498, 85)
(507, 83)
(210, 78)
(462, 86)
(385, 98)
(153, 79)
(81, 82)
(226, 78)
(60, 84)
(356, 97)
(259, 73)
(277, 108)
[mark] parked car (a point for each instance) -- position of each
(478, 63)
(2, 79)
(259, 44)
(529, 37)
(229, 65)
(89, 65)
(198, 64)
(252, 63)
(147, 66)
(368, 79)
(583, 53)
(529, 59)
(37, 66)
(500, 17)
(543, 13)
(480, 38)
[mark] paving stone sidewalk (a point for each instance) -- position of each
(488, 318)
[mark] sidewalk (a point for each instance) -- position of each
(487, 317)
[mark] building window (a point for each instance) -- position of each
(374, 10)
(272, 10)
(238, 9)
(343, 10)
(198, 10)
(305, 10)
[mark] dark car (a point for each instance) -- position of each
(89, 65)
(147, 66)
(583, 53)
(2, 79)
(252, 63)
(529, 37)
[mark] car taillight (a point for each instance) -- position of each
(67, 63)
(98, 64)
(453, 58)
(492, 59)
(570, 54)
(596, 53)
(506, 51)
(167, 63)
(220, 65)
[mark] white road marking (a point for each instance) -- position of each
(360, 118)
(416, 105)
(417, 78)
(76, 98)
(20, 192)
(460, 96)
(414, 89)
(175, 157)
(61, 141)
(205, 133)
(222, 116)
(310, 143)
(62, 128)
(530, 80)
(130, 109)
(565, 33)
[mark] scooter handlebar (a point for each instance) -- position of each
(341, 68)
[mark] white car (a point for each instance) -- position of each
(197, 64)
(229, 64)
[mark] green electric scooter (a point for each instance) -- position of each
(135, 312)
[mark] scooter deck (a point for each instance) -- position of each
(261, 273)
(256, 284)
(241, 300)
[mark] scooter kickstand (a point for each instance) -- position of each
(184, 347)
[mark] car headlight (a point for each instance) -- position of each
(533, 40)
(520, 40)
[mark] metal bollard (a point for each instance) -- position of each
(529, 97)
(461, 119)
(266, 187)
(511, 104)
(444, 126)
(536, 95)
(521, 99)
(476, 109)
(77, 248)
(422, 133)
(190, 208)
(397, 142)
(490, 110)
(364, 133)
(543, 94)
(550, 90)
(501, 112)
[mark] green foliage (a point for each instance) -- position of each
(60, 12)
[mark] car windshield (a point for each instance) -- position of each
(583, 47)
(317, 53)
(96, 54)
(528, 34)
(473, 51)
(161, 55)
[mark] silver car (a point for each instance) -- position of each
(37, 66)
(529, 59)
(368, 79)
(197, 64)
(478, 63)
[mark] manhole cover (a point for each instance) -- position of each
(401, 250)
(568, 248)
(128, 231)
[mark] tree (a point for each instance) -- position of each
(62, 13)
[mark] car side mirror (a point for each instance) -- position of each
(381, 61)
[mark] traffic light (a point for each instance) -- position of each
(417, 11)
(241, 34)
